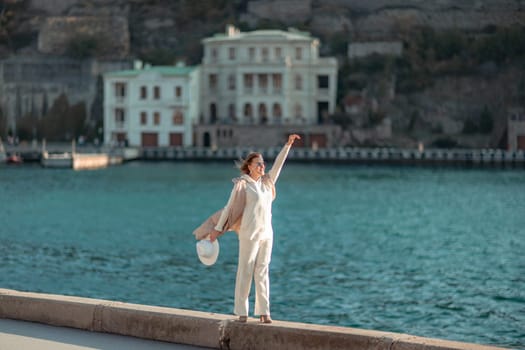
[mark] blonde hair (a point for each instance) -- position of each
(243, 163)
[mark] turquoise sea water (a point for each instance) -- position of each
(435, 252)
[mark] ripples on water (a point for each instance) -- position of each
(424, 251)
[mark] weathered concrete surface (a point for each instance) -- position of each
(17, 335)
(148, 322)
(203, 329)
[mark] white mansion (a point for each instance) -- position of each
(253, 88)
(151, 106)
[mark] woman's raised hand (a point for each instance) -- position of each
(292, 138)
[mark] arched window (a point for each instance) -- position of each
(263, 83)
(231, 112)
(277, 112)
(248, 110)
(263, 114)
(248, 113)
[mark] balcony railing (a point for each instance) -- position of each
(120, 125)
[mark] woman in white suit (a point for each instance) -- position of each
(255, 233)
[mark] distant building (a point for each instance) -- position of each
(31, 85)
(516, 129)
(269, 81)
(151, 106)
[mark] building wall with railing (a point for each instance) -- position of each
(30, 85)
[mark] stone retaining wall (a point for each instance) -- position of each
(58, 33)
(203, 329)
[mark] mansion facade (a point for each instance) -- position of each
(151, 106)
(251, 89)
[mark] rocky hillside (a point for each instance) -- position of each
(176, 27)
(460, 70)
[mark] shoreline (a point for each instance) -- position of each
(339, 155)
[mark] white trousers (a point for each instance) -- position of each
(254, 262)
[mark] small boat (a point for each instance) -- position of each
(14, 159)
(73, 160)
(57, 160)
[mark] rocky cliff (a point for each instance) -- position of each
(178, 26)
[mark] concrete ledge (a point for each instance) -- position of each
(201, 328)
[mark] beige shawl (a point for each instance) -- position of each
(233, 222)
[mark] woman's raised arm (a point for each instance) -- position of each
(281, 157)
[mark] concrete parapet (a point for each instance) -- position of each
(203, 329)
(346, 155)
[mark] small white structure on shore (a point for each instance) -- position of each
(516, 129)
(366, 48)
(73, 160)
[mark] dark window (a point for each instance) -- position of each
(323, 81)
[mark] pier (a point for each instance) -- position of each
(200, 329)
(65, 155)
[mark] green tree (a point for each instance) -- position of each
(339, 43)
(63, 122)
(159, 56)
(5, 17)
(3, 124)
(51, 124)
(503, 44)
(26, 127)
(448, 44)
(486, 121)
(444, 142)
(470, 127)
(84, 46)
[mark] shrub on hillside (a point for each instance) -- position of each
(486, 121)
(444, 142)
(159, 57)
(86, 46)
(470, 127)
(504, 43)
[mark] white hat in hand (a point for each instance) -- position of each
(208, 251)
